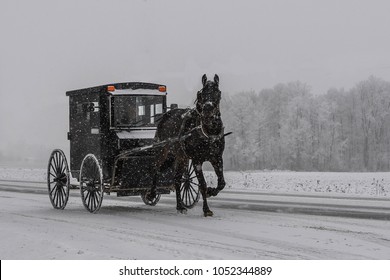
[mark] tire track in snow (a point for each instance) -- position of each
(255, 203)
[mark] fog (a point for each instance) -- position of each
(49, 47)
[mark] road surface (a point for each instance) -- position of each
(246, 225)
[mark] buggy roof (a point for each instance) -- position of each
(122, 88)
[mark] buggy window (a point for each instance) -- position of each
(133, 111)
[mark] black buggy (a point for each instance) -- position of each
(112, 147)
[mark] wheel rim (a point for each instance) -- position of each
(189, 189)
(58, 179)
(91, 183)
(146, 199)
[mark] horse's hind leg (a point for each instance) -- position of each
(179, 170)
(203, 189)
(161, 157)
(217, 164)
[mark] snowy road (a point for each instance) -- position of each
(246, 225)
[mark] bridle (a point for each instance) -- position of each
(200, 117)
(196, 102)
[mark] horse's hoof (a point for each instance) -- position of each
(211, 192)
(182, 211)
(208, 213)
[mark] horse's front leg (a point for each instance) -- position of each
(203, 189)
(217, 164)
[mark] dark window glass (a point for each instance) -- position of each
(135, 111)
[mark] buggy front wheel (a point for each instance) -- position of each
(58, 179)
(91, 183)
(189, 189)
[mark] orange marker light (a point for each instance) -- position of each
(162, 88)
(110, 88)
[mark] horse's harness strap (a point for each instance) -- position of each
(183, 136)
(211, 138)
(187, 115)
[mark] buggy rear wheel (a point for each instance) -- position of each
(91, 183)
(189, 189)
(58, 179)
(149, 200)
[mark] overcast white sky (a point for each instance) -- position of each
(48, 47)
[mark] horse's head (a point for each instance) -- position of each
(208, 98)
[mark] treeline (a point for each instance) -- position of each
(289, 128)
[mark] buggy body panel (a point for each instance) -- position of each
(94, 127)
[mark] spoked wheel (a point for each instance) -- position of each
(149, 200)
(189, 189)
(91, 183)
(58, 179)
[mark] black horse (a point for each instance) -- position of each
(196, 134)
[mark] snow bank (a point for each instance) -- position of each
(361, 184)
(365, 184)
(24, 174)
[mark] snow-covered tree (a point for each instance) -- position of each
(287, 127)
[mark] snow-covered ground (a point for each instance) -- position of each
(27, 174)
(249, 222)
(343, 183)
(361, 184)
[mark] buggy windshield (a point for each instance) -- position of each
(135, 111)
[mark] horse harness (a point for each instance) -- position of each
(207, 137)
